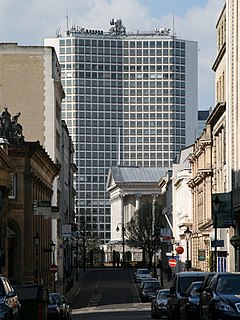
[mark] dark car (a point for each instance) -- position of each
(149, 290)
(189, 308)
(159, 304)
(205, 284)
(10, 306)
(180, 284)
(147, 280)
(222, 297)
(54, 312)
(63, 304)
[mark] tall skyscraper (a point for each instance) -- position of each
(131, 99)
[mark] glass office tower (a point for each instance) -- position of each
(131, 99)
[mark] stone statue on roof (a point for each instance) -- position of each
(10, 129)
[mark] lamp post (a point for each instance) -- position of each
(161, 262)
(188, 234)
(123, 242)
(235, 242)
(36, 239)
(53, 262)
(216, 208)
(77, 239)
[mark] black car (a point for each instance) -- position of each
(205, 284)
(180, 284)
(10, 306)
(222, 297)
(149, 290)
(54, 312)
(63, 305)
(189, 308)
(159, 304)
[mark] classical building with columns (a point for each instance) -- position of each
(128, 188)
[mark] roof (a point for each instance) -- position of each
(137, 174)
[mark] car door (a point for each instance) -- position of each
(206, 299)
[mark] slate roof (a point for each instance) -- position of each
(137, 174)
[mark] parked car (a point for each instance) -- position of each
(149, 290)
(64, 306)
(10, 306)
(142, 274)
(189, 308)
(147, 279)
(54, 312)
(159, 304)
(205, 284)
(180, 284)
(222, 297)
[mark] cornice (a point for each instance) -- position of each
(201, 176)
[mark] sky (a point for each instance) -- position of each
(28, 22)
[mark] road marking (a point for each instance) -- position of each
(93, 309)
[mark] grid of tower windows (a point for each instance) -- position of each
(123, 96)
(154, 101)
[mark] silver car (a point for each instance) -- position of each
(142, 274)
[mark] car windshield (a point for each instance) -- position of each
(229, 285)
(152, 285)
(143, 272)
(185, 282)
(163, 295)
(51, 299)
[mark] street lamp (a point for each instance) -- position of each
(53, 262)
(161, 262)
(77, 239)
(188, 234)
(123, 242)
(216, 208)
(36, 239)
(235, 242)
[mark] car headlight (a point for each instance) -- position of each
(222, 306)
(161, 305)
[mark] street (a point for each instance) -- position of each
(108, 294)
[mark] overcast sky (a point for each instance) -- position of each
(29, 21)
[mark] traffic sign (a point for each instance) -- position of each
(53, 268)
(172, 263)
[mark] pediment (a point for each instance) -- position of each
(6, 163)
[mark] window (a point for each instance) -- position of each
(13, 187)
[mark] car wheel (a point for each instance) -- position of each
(152, 314)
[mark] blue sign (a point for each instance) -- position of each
(217, 243)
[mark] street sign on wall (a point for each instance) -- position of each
(224, 213)
(44, 208)
(217, 243)
(201, 255)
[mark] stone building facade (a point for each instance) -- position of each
(31, 180)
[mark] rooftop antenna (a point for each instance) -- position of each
(67, 22)
(173, 24)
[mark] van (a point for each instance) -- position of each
(181, 282)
